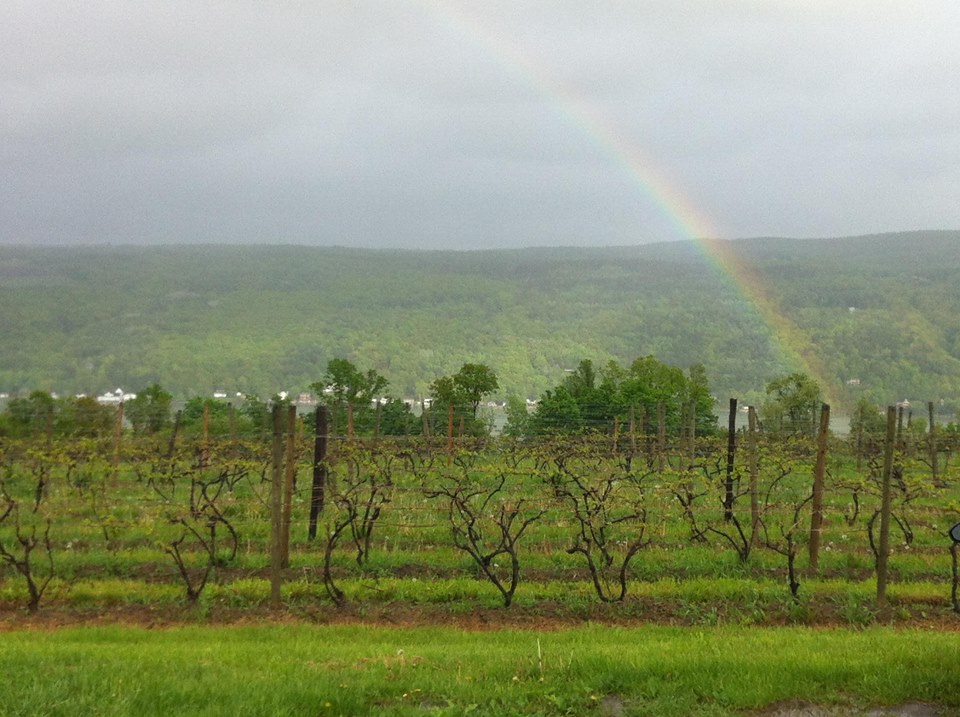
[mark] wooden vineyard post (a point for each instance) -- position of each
(231, 421)
(276, 476)
(616, 433)
(633, 432)
(376, 428)
(319, 471)
(731, 455)
(883, 553)
(754, 469)
(349, 421)
(819, 471)
(290, 466)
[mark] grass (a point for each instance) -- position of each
(353, 670)
(742, 601)
(721, 663)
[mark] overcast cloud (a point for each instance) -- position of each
(475, 124)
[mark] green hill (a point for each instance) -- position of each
(264, 318)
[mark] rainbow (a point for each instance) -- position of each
(792, 343)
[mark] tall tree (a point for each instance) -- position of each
(464, 390)
(580, 402)
(345, 386)
(83, 416)
(474, 381)
(792, 405)
(698, 394)
(28, 416)
(519, 420)
(149, 412)
(867, 419)
(557, 413)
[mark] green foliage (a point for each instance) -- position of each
(428, 670)
(518, 417)
(257, 414)
(397, 419)
(270, 318)
(82, 416)
(30, 416)
(40, 413)
(582, 403)
(348, 385)
(352, 396)
(557, 413)
(867, 419)
(219, 416)
(474, 381)
(149, 412)
(793, 405)
(463, 391)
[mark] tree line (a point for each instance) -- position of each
(645, 396)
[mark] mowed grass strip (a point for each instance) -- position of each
(355, 670)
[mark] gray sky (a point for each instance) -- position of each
(475, 124)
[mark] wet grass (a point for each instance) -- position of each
(353, 670)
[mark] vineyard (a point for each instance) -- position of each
(622, 526)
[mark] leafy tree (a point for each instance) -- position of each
(83, 416)
(519, 419)
(257, 414)
(793, 404)
(867, 419)
(149, 412)
(29, 416)
(218, 414)
(557, 413)
(526, 314)
(444, 392)
(72, 416)
(698, 395)
(597, 402)
(649, 383)
(464, 391)
(397, 419)
(582, 402)
(474, 381)
(347, 386)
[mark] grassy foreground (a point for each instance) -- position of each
(349, 670)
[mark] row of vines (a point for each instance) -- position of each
(583, 508)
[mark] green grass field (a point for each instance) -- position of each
(299, 669)
(421, 628)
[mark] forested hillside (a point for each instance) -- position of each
(884, 310)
